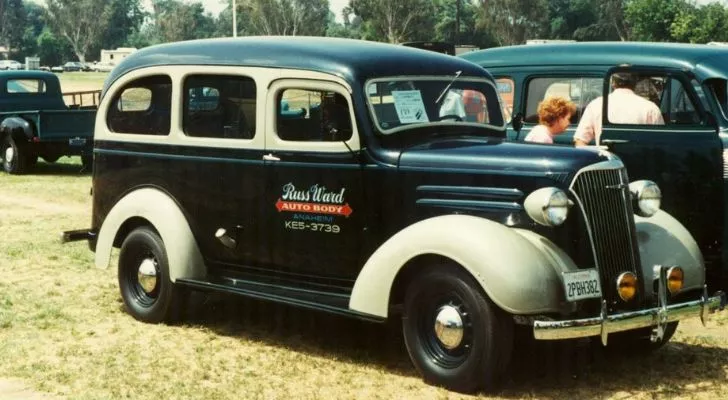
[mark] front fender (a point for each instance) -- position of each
(155, 206)
(519, 270)
(17, 127)
(665, 241)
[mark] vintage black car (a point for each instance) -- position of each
(374, 181)
(686, 157)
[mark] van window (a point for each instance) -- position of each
(580, 90)
(313, 115)
(142, 107)
(218, 106)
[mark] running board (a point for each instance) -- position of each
(333, 303)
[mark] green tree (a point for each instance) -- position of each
(284, 17)
(513, 21)
(52, 50)
(34, 25)
(81, 22)
(395, 21)
(701, 25)
(12, 17)
(651, 20)
(177, 21)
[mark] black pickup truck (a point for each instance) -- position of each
(36, 122)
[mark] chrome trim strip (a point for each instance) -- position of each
(473, 190)
(603, 325)
(485, 205)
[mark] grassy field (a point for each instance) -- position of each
(63, 331)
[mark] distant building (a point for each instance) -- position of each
(4, 53)
(115, 56)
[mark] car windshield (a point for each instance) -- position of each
(404, 103)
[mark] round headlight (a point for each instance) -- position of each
(548, 206)
(675, 279)
(646, 196)
(627, 285)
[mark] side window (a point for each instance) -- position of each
(668, 100)
(218, 106)
(142, 107)
(579, 90)
(312, 115)
(26, 86)
(682, 110)
(506, 90)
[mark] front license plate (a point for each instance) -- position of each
(77, 141)
(582, 284)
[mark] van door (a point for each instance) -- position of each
(683, 155)
(314, 205)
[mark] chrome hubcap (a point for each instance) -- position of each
(147, 275)
(449, 327)
(9, 154)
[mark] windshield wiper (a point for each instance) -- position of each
(457, 75)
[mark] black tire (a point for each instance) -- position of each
(478, 360)
(162, 303)
(638, 341)
(15, 161)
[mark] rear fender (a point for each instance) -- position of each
(165, 216)
(17, 127)
(519, 270)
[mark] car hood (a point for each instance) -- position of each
(500, 157)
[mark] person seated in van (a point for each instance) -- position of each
(625, 107)
(554, 114)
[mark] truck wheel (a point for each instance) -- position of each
(15, 157)
(638, 340)
(148, 293)
(456, 337)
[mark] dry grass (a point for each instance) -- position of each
(63, 330)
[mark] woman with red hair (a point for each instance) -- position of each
(553, 117)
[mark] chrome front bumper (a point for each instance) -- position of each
(657, 317)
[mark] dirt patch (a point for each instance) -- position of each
(13, 389)
(40, 205)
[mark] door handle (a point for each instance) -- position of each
(614, 141)
(270, 157)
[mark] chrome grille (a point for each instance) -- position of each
(606, 203)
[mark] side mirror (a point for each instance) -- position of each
(517, 122)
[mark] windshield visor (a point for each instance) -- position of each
(410, 102)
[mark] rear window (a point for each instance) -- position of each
(25, 86)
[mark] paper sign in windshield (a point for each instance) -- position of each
(409, 106)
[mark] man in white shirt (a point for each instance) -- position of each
(625, 107)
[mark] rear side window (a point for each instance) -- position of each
(25, 86)
(142, 107)
(579, 90)
(217, 106)
(313, 115)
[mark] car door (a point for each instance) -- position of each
(314, 206)
(223, 184)
(683, 156)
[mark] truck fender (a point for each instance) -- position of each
(664, 241)
(155, 206)
(519, 270)
(17, 127)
